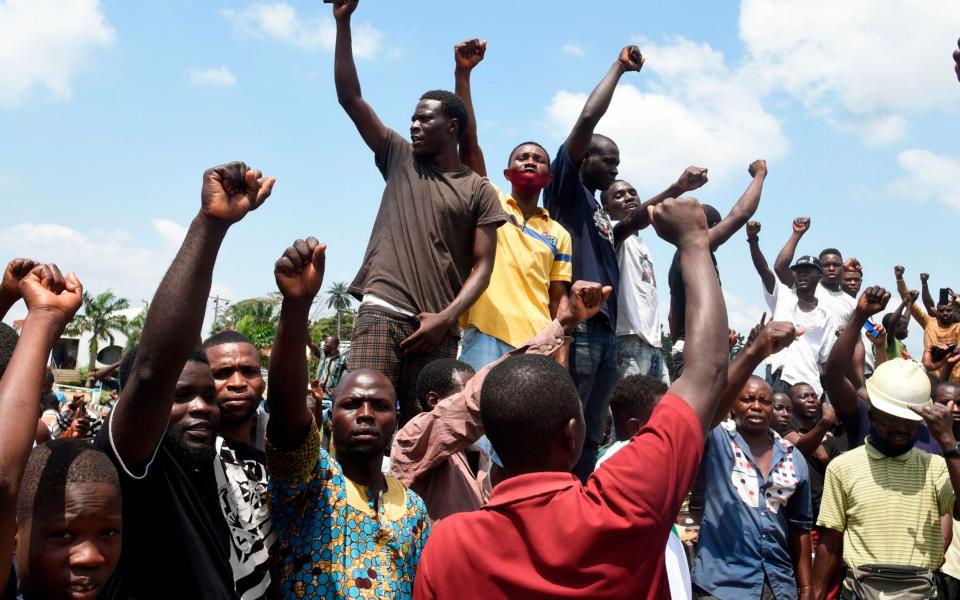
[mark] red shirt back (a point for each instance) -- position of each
(544, 535)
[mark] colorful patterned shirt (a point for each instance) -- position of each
(336, 539)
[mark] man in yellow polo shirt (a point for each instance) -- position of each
(882, 502)
(534, 254)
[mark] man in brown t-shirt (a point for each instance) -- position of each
(433, 244)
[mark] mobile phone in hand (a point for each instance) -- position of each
(871, 330)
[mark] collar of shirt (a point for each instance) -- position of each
(515, 208)
(393, 501)
(780, 445)
(530, 485)
(877, 455)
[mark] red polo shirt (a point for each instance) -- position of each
(544, 535)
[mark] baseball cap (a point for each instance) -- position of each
(898, 384)
(807, 261)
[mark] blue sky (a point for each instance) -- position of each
(110, 111)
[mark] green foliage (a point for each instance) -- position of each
(321, 328)
(134, 328)
(101, 319)
(256, 318)
(340, 300)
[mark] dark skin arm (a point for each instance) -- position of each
(827, 561)
(949, 364)
(692, 178)
(558, 295)
(52, 300)
(782, 264)
(682, 223)
(756, 255)
(597, 104)
(928, 302)
(299, 275)
(467, 56)
(800, 550)
(173, 324)
(433, 326)
(939, 420)
(371, 128)
(841, 391)
(16, 270)
(743, 209)
(810, 442)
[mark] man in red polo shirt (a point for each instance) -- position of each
(545, 535)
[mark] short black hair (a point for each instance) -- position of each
(50, 402)
(526, 401)
(126, 363)
(888, 324)
(712, 214)
(452, 106)
(827, 251)
(54, 465)
(635, 396)
(8, 343)
(48, 377)
(198, 355)
(227, 336)
(518, 146)
(437, 377)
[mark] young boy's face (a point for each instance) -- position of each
(70, 552)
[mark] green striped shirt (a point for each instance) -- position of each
(888, 508)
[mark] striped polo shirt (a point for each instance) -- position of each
(888, 508)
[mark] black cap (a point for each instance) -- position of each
(807, 261)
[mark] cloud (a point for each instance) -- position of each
(572, 49)
(220, 76)
(45, 43)
(171, 233)
(698, 111)
(928, 176)
(860, 68)
(280, 22)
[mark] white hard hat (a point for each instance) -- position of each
(897, 385)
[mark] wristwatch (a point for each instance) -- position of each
(953, 452)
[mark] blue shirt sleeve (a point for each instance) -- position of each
(562, 196)
(799, 509)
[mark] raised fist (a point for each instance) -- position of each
(753, 229)
(852, 264)
(872, 300)
(232, 190)
(299, 272)
(631, 58)
(801, 225)
(342, 9)
(47, 292)
(898, 272)
(777, 335)
(679, 221)
(758, 168)
(692, 178)
(585, 301)
(924, 277)
(470, 53)
(16, 270)
(912, 296)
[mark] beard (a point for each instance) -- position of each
(189, 456)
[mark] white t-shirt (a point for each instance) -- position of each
(802, 361)
(839, 304)
(638, 312)
(674, 556)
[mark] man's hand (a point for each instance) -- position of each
(585, 301)
(469, 54)
(17, 269)
(342, 9)
(680, 221)
(755, 332)
(631, 58)
(801, 225)
(47, 292)
(898, 272)
(881, 339)
(775, 336)
(692, 178)
(852, 264)
(872, 300)
(732, 338)
(939, 420)
(758, 168)
(924, 278)
(829, 414)
(299, 272)
(232, 190)
(753, 230)
(911, 297)
(433, 327)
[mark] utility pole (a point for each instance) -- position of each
(216, 306)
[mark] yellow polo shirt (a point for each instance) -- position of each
(531, 254)
(888, 509)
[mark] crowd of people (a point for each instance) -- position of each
(507, 422)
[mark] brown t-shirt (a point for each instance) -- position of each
(421, 248)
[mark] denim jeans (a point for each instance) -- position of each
(593, 365)
(640, 358)
(479, 349)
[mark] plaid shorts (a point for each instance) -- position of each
(376, 345)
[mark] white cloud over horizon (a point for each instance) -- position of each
(44, 44)
(220, 76)
(571, 49)
(928, 176)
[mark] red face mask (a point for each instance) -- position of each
(527, 181)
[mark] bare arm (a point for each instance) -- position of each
(782, 264)
(928, 302)
(682, 223)
(173, 323)
(810, 442)
(759, 260)
(558, 292)
(52, 302)
(597, 104)
(691, 179)
(743, 209)
(468, 55)
(434, 326)
(939, 421)
(371, 128)
(800, 551)
(16, 270)
(827, 561)
(299, 275)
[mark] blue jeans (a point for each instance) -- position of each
(479, 349)
(640, 358)
(593, 365)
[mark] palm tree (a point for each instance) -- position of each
(101, 319)
(134, 327)
(339, 299)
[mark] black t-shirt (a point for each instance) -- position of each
(175, 540)
(817, 469)
(678, 294)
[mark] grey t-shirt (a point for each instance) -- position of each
(421, 249)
